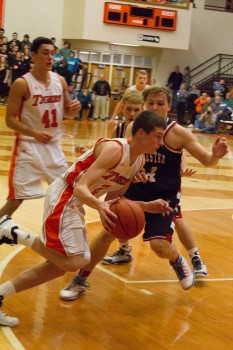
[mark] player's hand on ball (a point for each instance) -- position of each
(140, 177)
(159, 206)
(106, 215)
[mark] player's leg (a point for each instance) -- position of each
(10, 207)
(78, 285)
(121, 256)
(25, 280)
(186, 237)
(159, 231)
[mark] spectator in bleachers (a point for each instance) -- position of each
(229, 100)
(85, 99)
(194, 93)
(206, 121)
(221, 86)
(57, 60)
(18, 66)
(65, 51)
(4, 76)
(200, 101)
(174, 81)
(27, 60)
(4, 51)
(181, 103)
(26, 43)
(102, 92)
(14, 41)
(3, 38)
(12, 53)
(187, 78)
(54, 43)
(72, 66)
(220, 110)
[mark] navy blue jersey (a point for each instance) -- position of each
(163, 170)
(120, 130)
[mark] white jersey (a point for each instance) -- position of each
(115, 178)
(134, 88)
(64, 225)
(43, 111)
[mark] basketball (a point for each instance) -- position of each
(131, 219)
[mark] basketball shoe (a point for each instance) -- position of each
(199, 268)
(7, 320)
(75, 289)
(183, 272)
(7, 230)
(121, 256)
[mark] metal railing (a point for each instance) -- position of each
(213, 69)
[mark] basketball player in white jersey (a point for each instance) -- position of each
(140, 85)
(107, 168)
(35, 109)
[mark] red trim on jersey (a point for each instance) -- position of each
(53, 222)
(80, 167)
(171, 125)
(11, 193)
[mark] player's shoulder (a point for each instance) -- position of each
(19, 86)
(178, 132)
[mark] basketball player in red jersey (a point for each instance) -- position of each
(107, 168)
(35, 109)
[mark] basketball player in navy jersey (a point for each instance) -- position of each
(164, 180)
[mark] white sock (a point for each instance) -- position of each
(7, 289)
(25, 238)
(194, 252)
(125, 246)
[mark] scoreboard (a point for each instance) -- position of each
(139, 16)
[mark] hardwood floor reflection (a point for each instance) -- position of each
(136, 306)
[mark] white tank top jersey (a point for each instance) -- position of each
(43, 111)
(115, 178)
(134, 88)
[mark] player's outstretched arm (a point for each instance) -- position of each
(157, 206)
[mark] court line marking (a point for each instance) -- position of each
(119, 278)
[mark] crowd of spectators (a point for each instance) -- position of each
(15, 61)
(205, 110)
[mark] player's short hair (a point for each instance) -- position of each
(148, 121)
(133, 97)
(157, 89)
(36, 44)
(141, 72)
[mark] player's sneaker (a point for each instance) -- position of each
(183, 272)
(199, 268)
(119, 257)
(7, 320)
(74, 290)
(7, 230)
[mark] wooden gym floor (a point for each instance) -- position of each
(140, 305)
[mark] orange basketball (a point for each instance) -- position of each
(131, 219)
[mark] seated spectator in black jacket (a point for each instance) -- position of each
(85, 99)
